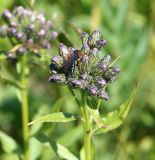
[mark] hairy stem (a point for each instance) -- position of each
(24, 103)
(86, 127)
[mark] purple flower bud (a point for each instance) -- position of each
(21, 51)
(101, 43)
(58, 78)
(63, 50)
(85, 48)
(113, 71)
(7, 15)
(101, 82)
(95, 51)
(42, 32)
(116, 70)
(30, 41)
(11, 55)
(30, 27)
(54, 35)
(77, 83)
(41, 18)
(84, 37)
(13, 24)
(103, 64)
(93, 38)
(93, 90)
(20, 36)
(46, 45)
(85, 76)
(12, 32)
(103, 67)
(57, 60)
(103, 94)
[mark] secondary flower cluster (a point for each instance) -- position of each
(28, 28)
(84, 69)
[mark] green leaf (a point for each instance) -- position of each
(55, 117)
(11, 82)
(58, 148)
(96, 117)
(116, 118)
(8, 143)
(3, 57)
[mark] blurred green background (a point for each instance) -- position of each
(129, 27)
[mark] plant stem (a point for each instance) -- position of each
(86, 127)
(24, 103)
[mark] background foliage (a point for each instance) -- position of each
(128, 27)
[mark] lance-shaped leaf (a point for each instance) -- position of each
(115, 119)
(55, 117)
(8, 143)
(60, 150)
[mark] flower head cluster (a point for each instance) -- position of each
(84, 69)
(28, 28)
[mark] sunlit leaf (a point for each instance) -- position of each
(96, 117)
(116, 118)
(58, 148)
(8, 143)
(55, 117)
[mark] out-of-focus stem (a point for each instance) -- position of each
(24, 103)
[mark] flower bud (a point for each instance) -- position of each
(103, 64)
(57, 61)
(84, 37)
(95, 51)
(41, 18)
(112, 71)
(7, 15)
(20, 36)
(85, 48)
(45, 45)
(42, 33)
(85, 76)
(63, 50)
(21, 51)
(93, 90)
(58, 78)
(30, 28)
(12, 32)
(93, 38)
(11, 56)
(101, 43)
(103, 94)
(77, 83)
(54, 35)
(101, 82)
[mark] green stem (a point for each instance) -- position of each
(86, 127)
(24, 103)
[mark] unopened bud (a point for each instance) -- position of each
(63, 50)
(94, 37)
(84, 37)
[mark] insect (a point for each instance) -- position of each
(71, 60)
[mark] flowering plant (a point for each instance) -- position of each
(84, 69)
